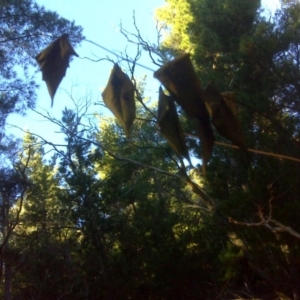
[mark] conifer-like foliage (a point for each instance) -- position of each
(112, 217)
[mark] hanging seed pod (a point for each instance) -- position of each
(229, 98)
(222, 116)
(207, 143)
(169, 124)
(118, 96)
(54, 61)
(180, 79)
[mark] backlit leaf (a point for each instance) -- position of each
(118, 96)
(169, 124)
(54, 61)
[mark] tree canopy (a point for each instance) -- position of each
(113, 215)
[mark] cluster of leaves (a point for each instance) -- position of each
(116, 218)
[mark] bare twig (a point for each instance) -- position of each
(253, 150)
(137, 92)
(119, 56)
(268, 222)
(262, 152)
(196, 189)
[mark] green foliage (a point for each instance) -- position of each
(175, 17)
(257, 58)
(25, 29)
(110, 217)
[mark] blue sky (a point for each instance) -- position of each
(100, 21)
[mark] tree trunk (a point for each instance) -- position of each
(7, 281)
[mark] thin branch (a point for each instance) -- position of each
(196, 189)
(98, 60)
(20, 37)
(144, 43)
(282, 228)
(119, 56)
(16, 222)
(262, 152)
(254, 224)
(140, 99)
(268, 222)
(252, 150)
(140, 41)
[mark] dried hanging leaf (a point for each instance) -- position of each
(180, 79)
(229, 98)
(169, 124)
(207, 143)
(54, 61)
(118, 96)
(222, 117)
